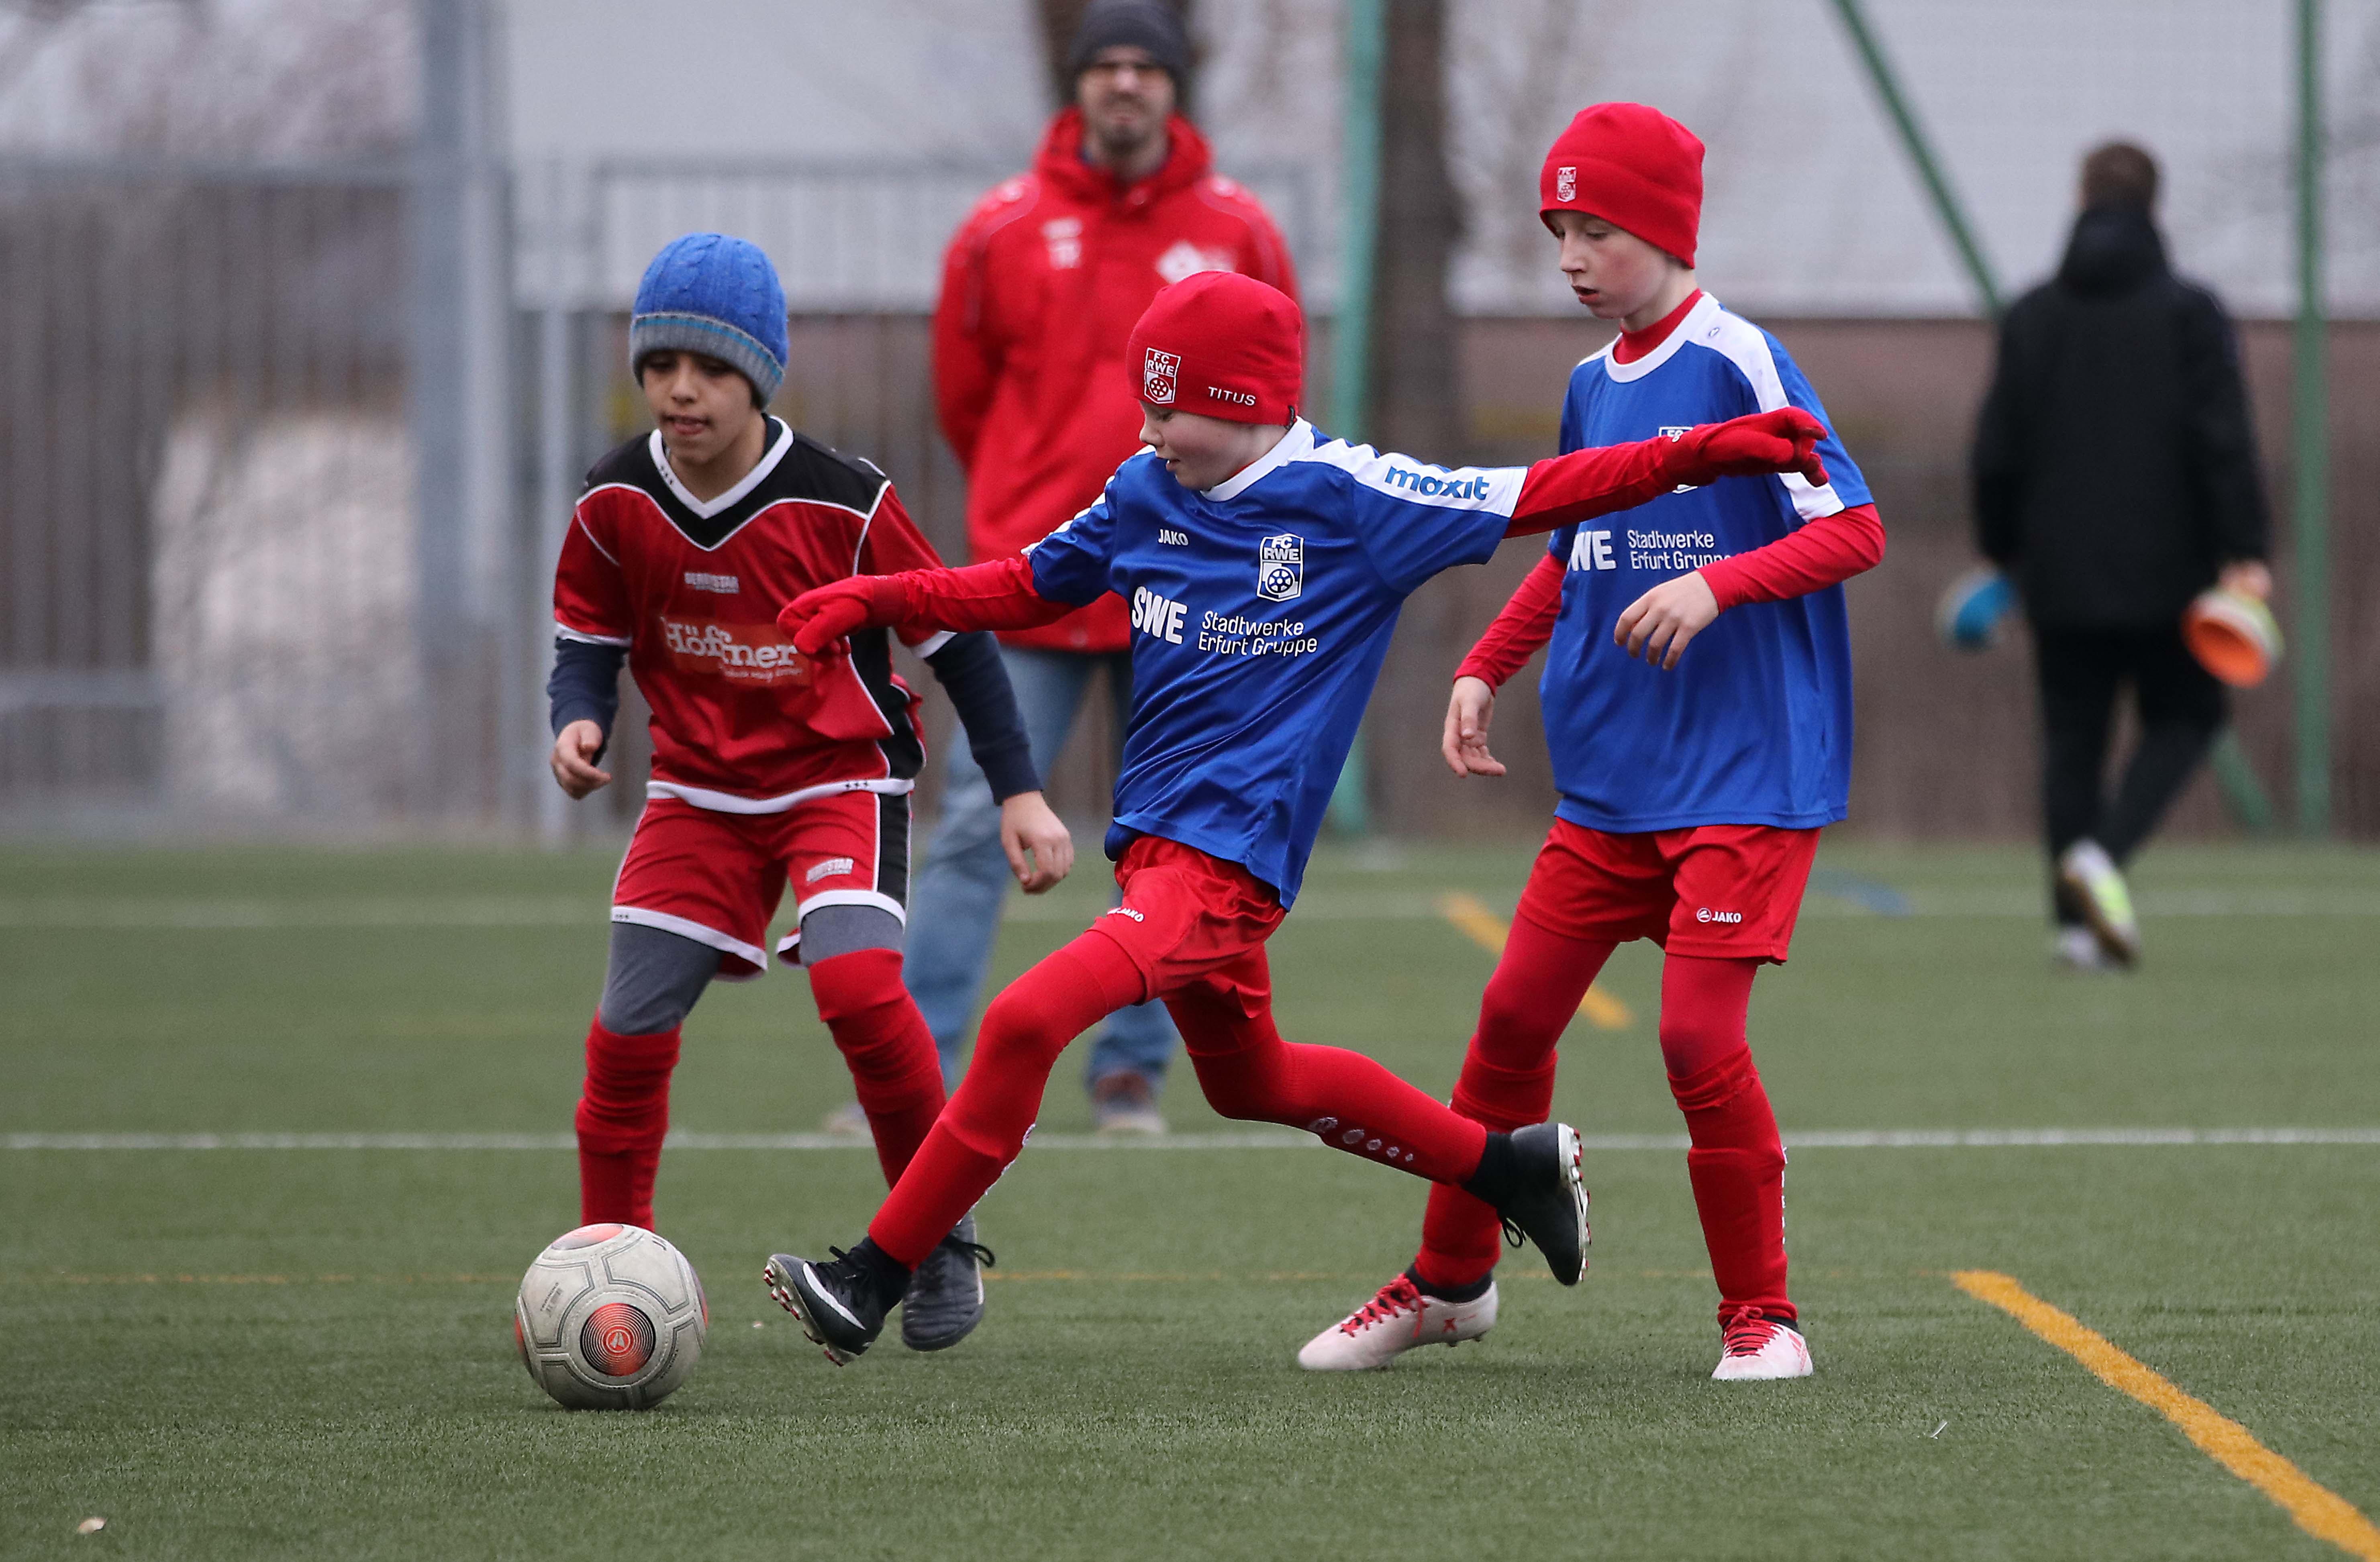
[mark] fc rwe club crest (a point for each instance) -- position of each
(1565, 184)
(1157, 372)
(1280, 567)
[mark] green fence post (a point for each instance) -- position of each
(2309, 419)
(1921, 152)
(1351, 342)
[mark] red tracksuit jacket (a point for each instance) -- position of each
(1040, 288)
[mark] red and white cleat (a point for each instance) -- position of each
(1755, 1349)
(1392, 1322)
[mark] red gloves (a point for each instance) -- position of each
(1783, 441)
(818, 618)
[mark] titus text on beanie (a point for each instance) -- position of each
(1635, 167)
(1223, 345)
(710, 293)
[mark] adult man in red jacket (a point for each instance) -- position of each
(1040, 288)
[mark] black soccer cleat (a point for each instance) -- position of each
(945, 1297)
(1549, 1205)
(839, 1304)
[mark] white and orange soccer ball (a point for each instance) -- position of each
(610, 1317)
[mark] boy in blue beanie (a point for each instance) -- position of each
(769, 768)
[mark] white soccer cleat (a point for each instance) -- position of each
(2097, 888)
(1757, 1350)
(1392, 1322)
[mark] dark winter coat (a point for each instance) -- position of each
(2115, 471)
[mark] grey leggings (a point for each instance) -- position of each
(654, 976)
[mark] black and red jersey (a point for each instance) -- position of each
(690, 589)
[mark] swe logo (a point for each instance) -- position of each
(1160, 617)
(1158, 374)
(1565, 184)
(1280, 567)
(1592, 551)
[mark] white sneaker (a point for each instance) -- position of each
(1392, 1322)
(2098, 887)
(1755, 1349)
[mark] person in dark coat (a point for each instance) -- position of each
(2114, 480)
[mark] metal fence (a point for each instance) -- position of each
(205, 485)
(256, 574)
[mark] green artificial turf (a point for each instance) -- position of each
(246, 1353)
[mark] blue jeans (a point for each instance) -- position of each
(955, 906)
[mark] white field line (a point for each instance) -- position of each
(1840, 1139)
(111, 913)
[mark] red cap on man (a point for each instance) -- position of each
(1635, 167)
(1221, 344)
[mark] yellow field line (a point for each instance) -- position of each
(2318, 1510)
(1486, 929)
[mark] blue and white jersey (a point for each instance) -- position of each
(1753, 725)
(1260, 611)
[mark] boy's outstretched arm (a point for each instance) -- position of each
(998, 595)
(1596, 482)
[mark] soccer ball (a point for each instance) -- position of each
(610, 1317)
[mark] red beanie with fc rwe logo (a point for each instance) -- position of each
(1221, 344)
(1635, 167)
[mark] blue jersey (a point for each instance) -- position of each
(1260, 611)
(1753, 725)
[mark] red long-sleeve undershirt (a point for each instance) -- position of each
(1822, 552)
(1585, 483)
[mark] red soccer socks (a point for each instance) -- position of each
(1350, 1102)
(1018, 1044)
(623, 1116)
(1507, 1083)
(883, 1040)
(1737, 1161)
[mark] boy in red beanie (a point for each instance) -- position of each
(1692, 791)
(1264, 567)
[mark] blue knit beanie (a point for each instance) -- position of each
(710, 293)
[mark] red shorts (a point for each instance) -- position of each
(1189, 920)
(1726, 891)
(716, 878)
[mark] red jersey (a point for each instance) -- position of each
(741, 721)
(1042, 286)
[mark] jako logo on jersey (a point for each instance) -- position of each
(724, 583)
(1436, 487)
(1124, 911)
(1173, 538)
(748, 653)
(1157, 372)
(1280, 567)
(833, 868)
(1157, 617)
(1565, 184)
(1592, 551)
(1707, 914)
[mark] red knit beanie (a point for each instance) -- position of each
(1223, 345)
(1635, 167)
